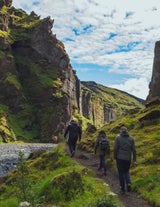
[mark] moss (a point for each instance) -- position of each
(12, 79)
(24, 124)
(26, 21)
(6, 132)
(3, 34)
(4, 10)
(64, 187)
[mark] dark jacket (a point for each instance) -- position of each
(97, 146)
(74, 132)
(124, 147)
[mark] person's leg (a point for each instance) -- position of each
(104, 165)
(71, 149)
(100, 163)
(120, 167)
(127, 176)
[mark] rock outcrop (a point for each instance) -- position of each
(103, 105)
(39, 90)
(37, 81)
(154, 86)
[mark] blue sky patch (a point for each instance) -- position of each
(93, 72)
(35, 3)
(87, 29)
(129, 14)
(67, 39)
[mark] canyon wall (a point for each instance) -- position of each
(39, 90)
(154, 86)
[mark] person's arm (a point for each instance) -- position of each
(66, 132)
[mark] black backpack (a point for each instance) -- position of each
(104, 144)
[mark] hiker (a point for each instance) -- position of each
(75, 133)
(124, 149)
(102, 144)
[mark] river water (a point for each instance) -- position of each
(9, 154)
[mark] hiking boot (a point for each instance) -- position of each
(129, 187)
(122, 192)
(105, 174)
(99, 169)
(72, 154)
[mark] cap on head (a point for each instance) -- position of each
(123, 129)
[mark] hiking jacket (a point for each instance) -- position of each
(97, 146)
(124, 147)
(74, 132)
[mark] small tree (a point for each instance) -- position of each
(23, 180)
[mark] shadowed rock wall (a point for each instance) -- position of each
(154, 86)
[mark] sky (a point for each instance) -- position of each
(110, 42)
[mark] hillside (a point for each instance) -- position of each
(118, 102)
(39, 90)
(144, 126)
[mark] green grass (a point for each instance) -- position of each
(145, 175)
(59, 180)
(114, 99)
(11, 202)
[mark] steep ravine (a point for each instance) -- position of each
(39, 90)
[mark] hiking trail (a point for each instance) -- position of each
(91, 161)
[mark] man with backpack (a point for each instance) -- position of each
(124, 148)
(102, 144)
(74, 132)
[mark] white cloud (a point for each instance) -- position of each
(135, 25)
(136, 87)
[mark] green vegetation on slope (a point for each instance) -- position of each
(113, 98)
(58, 180)
(144, 126)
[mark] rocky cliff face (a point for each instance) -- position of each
(95, 108)
(39, 90)
(103, 105)
(37, 83)
(154, 86)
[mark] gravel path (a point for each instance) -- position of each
(91, 161)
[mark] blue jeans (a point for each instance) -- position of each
(103, 162)
(123, 167)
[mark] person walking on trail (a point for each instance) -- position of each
(102, 144)
(124, 152)
(75, 132)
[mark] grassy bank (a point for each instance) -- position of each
(53, 178)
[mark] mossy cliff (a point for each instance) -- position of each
(37, 83)
(39, 90)
(103, 104)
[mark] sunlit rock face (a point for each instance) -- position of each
(39, 90)
(154, 86)
(37, 82)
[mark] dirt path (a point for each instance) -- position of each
(91, 161)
